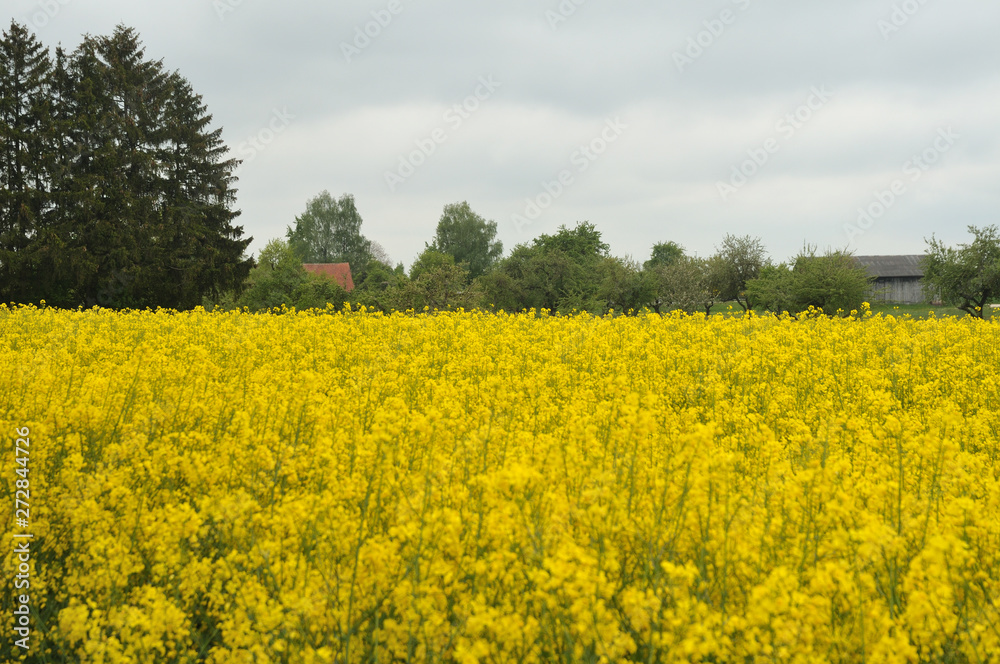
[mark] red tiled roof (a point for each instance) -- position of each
(339, 272)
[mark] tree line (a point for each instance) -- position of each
(464, 266)
(115, 191)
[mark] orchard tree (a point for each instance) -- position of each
(774, 289)
(740, 260)
(967, 277)
(627, 287)
(469, 238)
(687, 284)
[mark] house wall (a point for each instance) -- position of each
(904, 290)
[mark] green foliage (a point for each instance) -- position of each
(626, 287)
(686, 284)
(581, 244)
(664, 253)
(967, 277)
(115, 190)
(527, 279)
(668, 281)
(275, 279)
(26, 143)
(379, 287)
(279, 279)
(379, 276)
(429, 260)
(560, 272)
(834, 282)
(319, 291)
(329, 231)
(434, 282)
(443, 287)
(740, 260)
(774, 289)
(469, 238)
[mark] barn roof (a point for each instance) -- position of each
(339, 272)
(893, 266)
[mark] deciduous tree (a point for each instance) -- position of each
(279, 279)
(437, 283)
(469, 238)
(833, 282)
(740, 260)
(967, 276)
(559, 272)
(627, 287)
(685, 284)
(329, 231)
(664, 253)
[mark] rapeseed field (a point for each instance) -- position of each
(475, 487)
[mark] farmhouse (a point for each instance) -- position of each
(339, 272)
(897, 278)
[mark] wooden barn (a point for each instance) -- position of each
(339, 272)
(897, 278)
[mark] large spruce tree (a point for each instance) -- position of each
(135, 188)
(25, 154)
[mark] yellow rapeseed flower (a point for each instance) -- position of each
(311, 486)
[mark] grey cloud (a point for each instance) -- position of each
(353, 119)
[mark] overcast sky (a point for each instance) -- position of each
(863, 123)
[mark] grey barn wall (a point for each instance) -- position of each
(904, 290)
(898, 278)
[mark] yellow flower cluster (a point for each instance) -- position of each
(472, 487)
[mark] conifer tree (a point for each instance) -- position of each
(203, 245)
(116, 190)
(25, 137)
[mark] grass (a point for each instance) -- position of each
(922, 310)
(917, 311)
